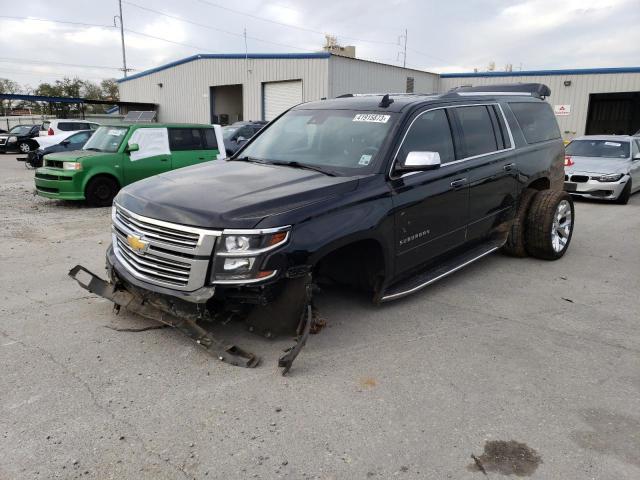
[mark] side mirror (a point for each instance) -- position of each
(241, 139)
(65, 143)
(133, 147)
(636, 156)
(420, 161)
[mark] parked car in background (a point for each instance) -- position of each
(603, 166)
(54, 127)
(236, 135)
(20, 139)
(64, 142)
(118, 155)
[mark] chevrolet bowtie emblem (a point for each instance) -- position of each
(137, 244)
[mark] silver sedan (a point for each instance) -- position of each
(603, 166)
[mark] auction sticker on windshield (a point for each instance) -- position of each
(371, 117)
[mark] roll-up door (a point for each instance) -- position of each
(279, 96)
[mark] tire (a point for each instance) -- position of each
(101, 191)
(623, 198)
(515, 245)
(549, 226)
(24, 147)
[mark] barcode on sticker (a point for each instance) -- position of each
(371, 117)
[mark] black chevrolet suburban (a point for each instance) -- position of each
(386, 193)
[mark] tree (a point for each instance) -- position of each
(7, 86)
(110, 90)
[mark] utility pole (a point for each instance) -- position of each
(404, 52)
(124, 55)
(404, 55)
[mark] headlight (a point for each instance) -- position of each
(12, 139)
(614, 177)
(237, 243)
(240, 254)
(72, 166)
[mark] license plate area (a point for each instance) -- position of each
(570, 187)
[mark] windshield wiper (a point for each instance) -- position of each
(247, 159)
(305, 166)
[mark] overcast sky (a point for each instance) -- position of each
(443, 35)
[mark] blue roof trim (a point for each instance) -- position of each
(526, 73)
(236, 56)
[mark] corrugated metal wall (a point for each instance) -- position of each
(576, 95)
(350, 75)
(184, 95)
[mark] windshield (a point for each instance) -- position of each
(227, 132)
(345, 141)
(599, 148)
(21, 129)
(106, 139)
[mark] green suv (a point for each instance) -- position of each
(118, 155)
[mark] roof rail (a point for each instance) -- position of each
(538, 90)
(391, 94)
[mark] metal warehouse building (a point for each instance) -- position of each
(228, 87)
(586, 101)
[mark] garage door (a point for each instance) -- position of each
(279, 96)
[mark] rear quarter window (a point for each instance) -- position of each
(68, 126)
(536, 120)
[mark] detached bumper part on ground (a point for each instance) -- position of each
(186, 318)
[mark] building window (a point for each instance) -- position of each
(410, 81)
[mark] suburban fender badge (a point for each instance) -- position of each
(137, 243)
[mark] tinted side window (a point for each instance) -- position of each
(185, 139)
(68, 126)
(210, 141)
(79, 138)
(430, 132)
(537, 121)
(477, 130)
(93, 126)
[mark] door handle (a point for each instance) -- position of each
(461, 182)
(164, 159)
(508, 166)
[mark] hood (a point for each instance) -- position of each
(229, 194)
(598, 165)
(74, 156)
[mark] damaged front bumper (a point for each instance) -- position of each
(184, 310)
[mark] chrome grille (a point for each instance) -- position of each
(3, 141)
(162, 234)
(175, 256)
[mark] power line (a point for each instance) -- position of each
(108, 27)
(80, 24)
(209, 27)
(282, 24)
(46, 62)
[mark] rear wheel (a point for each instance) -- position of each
(515, 245)
(24, 147)
(623, 198)
(101, 191)
(549, 225)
